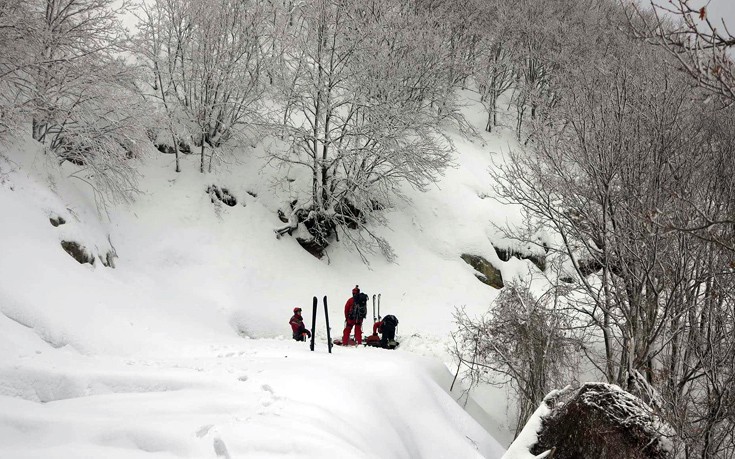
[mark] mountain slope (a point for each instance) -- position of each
(184, 348)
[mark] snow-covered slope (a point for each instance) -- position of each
(184, 349)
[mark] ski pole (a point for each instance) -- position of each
(326, 318)
(313, 325)
(374, 320)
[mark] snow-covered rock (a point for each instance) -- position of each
(597, 420)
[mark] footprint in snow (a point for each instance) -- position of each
(220, 448)
(271, 396)
(204, 430)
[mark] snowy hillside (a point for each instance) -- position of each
(184, 349)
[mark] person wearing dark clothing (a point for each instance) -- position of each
(300, 333)
(387, 330)
(352, 319)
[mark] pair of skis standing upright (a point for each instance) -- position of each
(326, 319)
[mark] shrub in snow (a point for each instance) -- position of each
(601, 421)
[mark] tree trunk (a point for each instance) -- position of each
(201, 159)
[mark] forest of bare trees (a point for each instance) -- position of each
(624, 114)
(627, 166)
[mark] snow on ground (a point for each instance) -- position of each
(255, 398)
(184, 349)
(520, 447)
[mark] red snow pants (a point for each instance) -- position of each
(348, 329)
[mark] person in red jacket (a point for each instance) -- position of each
(300, 333)
(351, 319)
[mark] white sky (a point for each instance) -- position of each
(725, 10)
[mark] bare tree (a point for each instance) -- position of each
(523, 340)
(205, 59)
(17, 32)
(702, 48)
(358, 87)
(626, 141)
(701, 44)
(494, 74)
(61, 69)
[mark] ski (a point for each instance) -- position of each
(378, 306)
(313, 324)
(374, 319)
(326, 318)
(338, 342)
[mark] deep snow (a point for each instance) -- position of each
(184, 349)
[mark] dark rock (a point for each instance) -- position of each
(252, 193)
(78, 252)
(506, 254)
(222, 194)
(347, 214)
(601, 421)
(487, 273)
(587, 267)
(592, 266)
(109, 259)
(57, 220)
(539, 261)
(318, 225)
(311, 246)
(184, 148)
(377, 205)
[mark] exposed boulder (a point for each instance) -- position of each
(57, 220)
(78, 252)
(312, 230)
(508, 253)
(169, 149)
(348, 214)
(109, 259)
(601, 421)
(486, 272)
(588, 267)
(222, 194)
(312, 246)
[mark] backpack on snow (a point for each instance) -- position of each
(359, 307)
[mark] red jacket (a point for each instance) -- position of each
(297, 323)
(348, 308)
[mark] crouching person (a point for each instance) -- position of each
(300, 333)
(387, 330)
